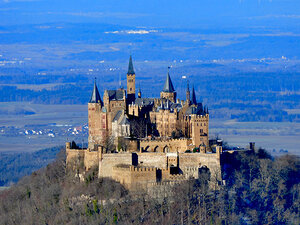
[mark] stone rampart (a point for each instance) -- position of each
(91, 159)
(110, 160)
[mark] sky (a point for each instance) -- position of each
(154, 13)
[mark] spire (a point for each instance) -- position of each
(187, 86)
(95, 98)
(130, 67)
(168, 87)
(194, 100)
(188, 97)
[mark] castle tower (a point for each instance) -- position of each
(194, 100)
(188, 94)
(97, 119)
(130, 82)
(168, 91)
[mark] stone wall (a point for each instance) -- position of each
(151, 159)
(110, 160)
(190, 161)
(91, 159)
(168, 145)
(132, 177)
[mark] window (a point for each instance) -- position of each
(201, 131)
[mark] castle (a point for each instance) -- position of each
(147, 141)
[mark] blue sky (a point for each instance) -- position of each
(158, 13)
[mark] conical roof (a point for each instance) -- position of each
(188, 86)
(95, 98)
(130, 67)
(168, 87)
(194, 100)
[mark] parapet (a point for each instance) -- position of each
(142, 169)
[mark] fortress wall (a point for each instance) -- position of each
(74, 154)
(150, 159)
(134, 177)
(122, 175)
(110, 160)
(143, 175)
(91, 159)
(189, 160)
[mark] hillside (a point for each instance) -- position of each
(259, 190)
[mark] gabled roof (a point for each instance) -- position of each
(198, 110)
(95, 98)
(118, 115)
(168, 87)
(194, 100)
(130, 67)
(125, 121)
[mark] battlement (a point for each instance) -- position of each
(142, 169)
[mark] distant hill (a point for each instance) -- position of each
(14, 166)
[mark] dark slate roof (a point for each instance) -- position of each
(130, 67)
(115, 94)
(168, 87)
(118, 115)
(169, 105)
(144, 101)
(125, 121)
(195, 110)
(95, 98)
(188, 86)
(194, 100)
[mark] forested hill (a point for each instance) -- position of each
(260, 190)
(14, 166)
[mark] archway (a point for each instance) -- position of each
(156, 149)
(147, 148)
(204, 173)
(166, 149)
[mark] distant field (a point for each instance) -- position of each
(44, 114)
(269, 135)
(38, 87)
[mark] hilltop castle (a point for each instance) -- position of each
(147, 141)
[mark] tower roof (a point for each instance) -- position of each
(168, 87)
(130, 67)
(194, 100)
(95, 98)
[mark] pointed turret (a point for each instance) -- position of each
(168, 91)
(168, 87)
(130, 67)
(188, 94)
(95, 98)
(194, 100)
(130, 82)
